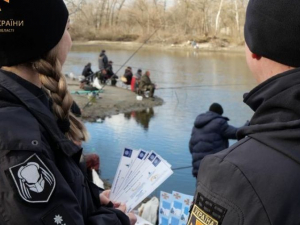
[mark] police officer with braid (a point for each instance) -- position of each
(41, 181)
(256, 181)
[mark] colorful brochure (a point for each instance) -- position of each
(174, 208)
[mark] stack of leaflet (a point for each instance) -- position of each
(174, 208)
(139, 173)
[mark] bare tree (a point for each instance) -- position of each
(218, 17)
(185, 20)
(119, 10)
(237, 16)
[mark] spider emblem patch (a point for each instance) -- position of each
(34, 181)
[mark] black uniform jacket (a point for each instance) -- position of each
(257, 180)
(40, 178)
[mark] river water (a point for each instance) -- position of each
(207, 77)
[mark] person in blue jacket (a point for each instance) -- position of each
(210, 135)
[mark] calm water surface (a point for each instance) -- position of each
(207, 78)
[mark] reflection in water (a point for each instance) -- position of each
(141, 117)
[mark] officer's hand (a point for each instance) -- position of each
(122, 207)
(104, 197)
(132, 218)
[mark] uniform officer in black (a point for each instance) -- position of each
(41, 181)
(256, 181)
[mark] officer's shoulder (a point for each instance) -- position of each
(14, 115)
(243, 148)
(19, 129)
(247, 155)
(242, 159)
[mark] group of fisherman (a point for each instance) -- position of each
(104, 73)
(139, 83)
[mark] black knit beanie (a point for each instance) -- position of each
(29, 29)
(272, 30)
(217, 108)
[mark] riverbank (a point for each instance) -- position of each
(207, 46)
(112, 101)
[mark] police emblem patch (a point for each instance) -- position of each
(199, 217)
(33, 179)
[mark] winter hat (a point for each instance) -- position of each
(29, 29)
(217, 108)
(272, 30)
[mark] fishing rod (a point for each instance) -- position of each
(125, 63)
(183, 167)
(185, 87)
(149, 69)
(133, 54)
(137, 50)
(197, 86)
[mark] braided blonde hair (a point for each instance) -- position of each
(49, 69)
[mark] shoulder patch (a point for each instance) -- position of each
(58, 215)
(199, 217)
(206, 212)
(34, 181)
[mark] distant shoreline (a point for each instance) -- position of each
(205, 47)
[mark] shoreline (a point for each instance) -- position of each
(112, 101)
(202, 47)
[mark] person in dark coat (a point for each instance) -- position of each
(256, 181)
(210, 135)
(87, 70)
(110, 74)
(128, 75)
(87, 73)
(147, 85)
(41, 180)
(102, 76)
(109, 69)
(102, 60)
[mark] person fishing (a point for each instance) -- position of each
(110, 73)
(127, 76)
(147, 85)
(40, 139)
(87, 70)
(210, 135)
(102, 60)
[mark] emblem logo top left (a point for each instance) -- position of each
(34, 181)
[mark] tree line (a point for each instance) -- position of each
(136, 20)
